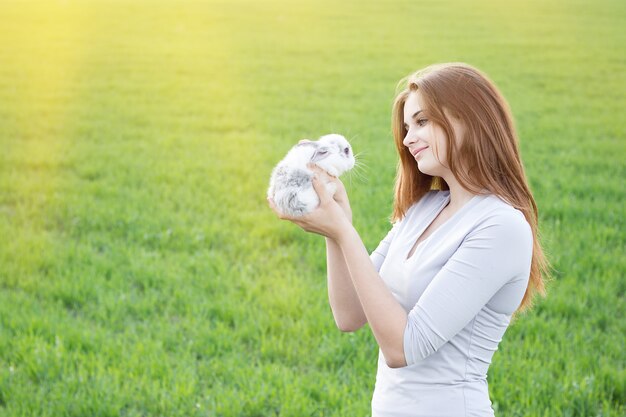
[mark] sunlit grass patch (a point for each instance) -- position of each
(141, 271)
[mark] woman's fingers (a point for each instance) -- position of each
(320, 171)
(273, 206)
(321, 190)
(280, 215)
(296, 220)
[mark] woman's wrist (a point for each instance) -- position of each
(346, 210)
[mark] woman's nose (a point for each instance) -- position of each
(409, 138)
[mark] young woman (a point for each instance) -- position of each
(461, 258)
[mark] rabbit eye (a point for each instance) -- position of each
(346, 151)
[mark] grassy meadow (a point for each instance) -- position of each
(141, 271)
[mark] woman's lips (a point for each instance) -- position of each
(418, 150)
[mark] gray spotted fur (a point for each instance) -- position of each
(291, 185)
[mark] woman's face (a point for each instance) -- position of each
(426, 140)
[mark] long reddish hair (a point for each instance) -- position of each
(487, 158)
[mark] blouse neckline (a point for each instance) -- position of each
(431, 218)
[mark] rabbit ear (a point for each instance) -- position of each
(320, 154)
(306, 142)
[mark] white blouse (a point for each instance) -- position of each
(459, 289)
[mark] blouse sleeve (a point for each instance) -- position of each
(497, 251)
(380, 253)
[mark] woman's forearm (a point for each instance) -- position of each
(342, 297)
(386, 317)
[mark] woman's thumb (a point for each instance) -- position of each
(320, 188)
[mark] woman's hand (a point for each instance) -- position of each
(329, 219)
(340, 196)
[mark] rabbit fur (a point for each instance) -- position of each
(291, 185)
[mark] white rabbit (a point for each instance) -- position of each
(291, 185)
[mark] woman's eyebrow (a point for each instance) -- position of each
(415, 114)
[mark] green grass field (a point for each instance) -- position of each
(141, 271)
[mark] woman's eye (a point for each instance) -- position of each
(420, 123)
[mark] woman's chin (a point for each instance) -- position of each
(424, 169)
(434, 170)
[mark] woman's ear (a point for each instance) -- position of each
(456, 124)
